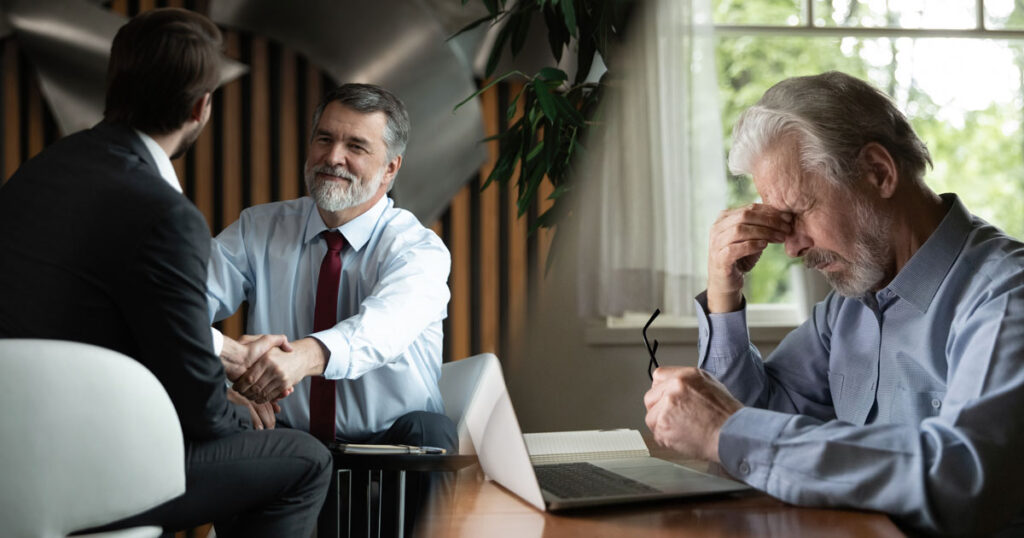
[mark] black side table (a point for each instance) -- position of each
(355, 511)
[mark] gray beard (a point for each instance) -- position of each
(333, 196)
(870, 252)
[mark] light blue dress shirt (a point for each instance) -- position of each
(385, 352)
(908, 401)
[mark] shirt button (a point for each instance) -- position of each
(744, 467)
(936, 403)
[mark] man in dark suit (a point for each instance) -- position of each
(100, 246)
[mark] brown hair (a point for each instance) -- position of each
(161, 62)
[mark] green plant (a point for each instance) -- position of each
(546, 139)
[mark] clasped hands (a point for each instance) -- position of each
(265, 368)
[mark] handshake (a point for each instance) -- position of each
(265, 367)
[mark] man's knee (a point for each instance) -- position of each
(424, 428)
(316, 460)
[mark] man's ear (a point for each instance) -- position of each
(199, 108)
(391, 171)
(879, 169)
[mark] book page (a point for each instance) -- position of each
(587, 445)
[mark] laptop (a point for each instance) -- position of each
(498, 441)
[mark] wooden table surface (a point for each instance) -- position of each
(481, 508)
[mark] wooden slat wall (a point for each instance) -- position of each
(253, 149)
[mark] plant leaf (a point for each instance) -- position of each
(558, 36)
(487, 87)
(553, 74)
(584, 58)
(513, 105)
(535, 151)
(547, 101)
(558, 192)
(495, 55)
(544, 220)
(502, 170)
(521, 28)
(536, 175)
(569, 14)
(567, 109)
(470, 26)
(552, 132)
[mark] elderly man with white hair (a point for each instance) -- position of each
(903, 391)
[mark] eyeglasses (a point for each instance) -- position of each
(651, 349)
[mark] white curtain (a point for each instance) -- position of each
(654, 179)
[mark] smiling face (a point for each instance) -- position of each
(347, 168)
(837, 232)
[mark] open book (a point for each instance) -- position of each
(587, 445)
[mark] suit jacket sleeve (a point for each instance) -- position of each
(165, 302)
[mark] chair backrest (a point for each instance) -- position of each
(89, 436)
(470, 389)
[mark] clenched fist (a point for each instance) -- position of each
(686, 409)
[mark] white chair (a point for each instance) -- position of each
(471, 388)
(88, 436)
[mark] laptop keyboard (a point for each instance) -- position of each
(580, 480)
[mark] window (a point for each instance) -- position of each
(956, 70)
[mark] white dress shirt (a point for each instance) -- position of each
(385, 351)
(162, 161)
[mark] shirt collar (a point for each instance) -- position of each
(921, 277)
(163, 163)
(356, 231)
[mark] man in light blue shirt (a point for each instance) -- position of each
(383, 349)
(903, 392)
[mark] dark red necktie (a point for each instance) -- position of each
(325, 316)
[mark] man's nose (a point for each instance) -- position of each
(336, 155)
(797, 243)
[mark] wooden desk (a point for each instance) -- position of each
(482, 508)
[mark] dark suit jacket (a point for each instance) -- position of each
(96, 247)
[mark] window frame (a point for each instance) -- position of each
(769, 321)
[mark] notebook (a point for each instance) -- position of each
(565, 470)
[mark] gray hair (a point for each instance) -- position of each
(367, 98)
(833, 116)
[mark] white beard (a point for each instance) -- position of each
(335, 195)
(870, 250)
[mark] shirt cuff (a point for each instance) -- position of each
(338, 354)
(746, 444)
(218, 341)
(721, 335)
